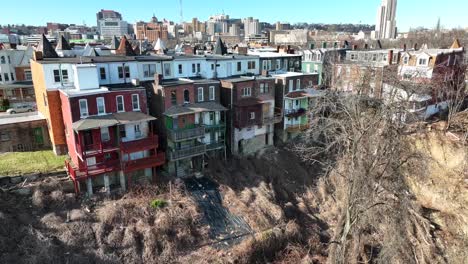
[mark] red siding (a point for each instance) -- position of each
(179, 94)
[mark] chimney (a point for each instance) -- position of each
(158, 79)
(277, 49)
(188, 50)
(415, 46)
(37, 56)
(390, 57)
(366, 46)
(404, 47)
(265, 73)
(241, 50)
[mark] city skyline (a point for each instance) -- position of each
(331, 12)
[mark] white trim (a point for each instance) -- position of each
(117, 103)
(83, 114)
(138, 101)
(103, 104)
(198, 94)
(212, 93)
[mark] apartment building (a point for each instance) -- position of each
(277, 60)
(292, 95)
(321, 61)
(251, 113)
(191, 122)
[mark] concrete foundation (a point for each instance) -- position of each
(89, 186)
(107, 184)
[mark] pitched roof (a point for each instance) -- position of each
(91, 53)
(159, 46)
(46, 48)
(63, 44)
(456, 44)
(125, 48)
(220, 48)
(115, 43)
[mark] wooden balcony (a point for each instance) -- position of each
(179, 154)
(176, 135)
(92, 170)
(144, 163)
(96, 149)
(150, 142)
(297, 128)
(295, 112)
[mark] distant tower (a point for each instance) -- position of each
(438, 26)
(181, 13)
(385, 27)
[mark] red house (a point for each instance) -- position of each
(109, 137)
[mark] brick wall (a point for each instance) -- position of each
(21, 136)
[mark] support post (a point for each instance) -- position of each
(123, 184)
(89, 185)
(107, 184)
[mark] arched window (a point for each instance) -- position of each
(173, 98)
(186, 96)
(2, 60)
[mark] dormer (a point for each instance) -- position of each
(86, 77)
(422, 60)
(405, 58)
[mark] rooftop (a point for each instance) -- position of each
(103, 59)
(21, 119)
(292, 74)
(109, 120)
(194, 108)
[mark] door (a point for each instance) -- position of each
(38, 136)
(88, 138)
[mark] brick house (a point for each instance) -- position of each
(25, 133)
(252, 113)
(191, 122)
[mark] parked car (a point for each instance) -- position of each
(21, 109)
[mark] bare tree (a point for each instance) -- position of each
(357, 139)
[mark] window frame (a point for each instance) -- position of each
(102, 73)
(137, 101)
(246, 91)
(117, 103)
(124, 72)
(180, 69)
(252, 115)
(28, 73)
(103, 106)
(200, 92)
(83, 114)
(239, 66)
(105, 131)
(212, 93)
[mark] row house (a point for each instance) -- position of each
(108, 132)
(191, 122)
(276, 61)
(15, 75)
(320, 61)
(251, 113)
(364, 71)
(293, 94)
(52, 73)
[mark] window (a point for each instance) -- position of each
(251, 65)
(124, 72)
(2, 60)
(149, 70)
(298, 84)
(200, 94)
(264, 88)
(186, 96)
(56, 76)
(83, 108)
(374, 57)
(135, 102)
(101, 108)
(137, 130)
(194, 68)
(65, 75)
(239, 66)
(173, 98)
(120, 103)
(405, 60)
(252, 115)
(353, 56)
(4, 136)
(167, 69)
(12, 76)
(6, 77)
(422, 62)
(264, 67)
(212, 93)
(1, 78)
(291, 85)
(247, 91)
(278, 64)
(198, 68)
(122, 132)
(212, 67)
(102, 73)
(9, 59)
(27, 75)
(180, 69)
(105, 136)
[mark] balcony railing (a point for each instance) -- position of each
(92, 170)
(185, 134)
(95, 149)
(294, 112)
(297, 128)
(187, 152)
(277, 117)
(150, 142)
(144, 163)
(214, 145)
(220, 125)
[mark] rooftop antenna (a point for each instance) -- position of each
(181, 12)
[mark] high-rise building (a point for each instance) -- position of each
(111, 27)
(106, 14)
(385, 27)
(251, 26)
